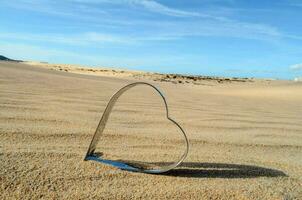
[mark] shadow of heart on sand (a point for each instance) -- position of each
(204, 170)
(222, 170)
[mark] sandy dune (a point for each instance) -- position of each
(245, 136)
(138, 75)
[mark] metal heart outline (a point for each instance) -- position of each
(90, 155)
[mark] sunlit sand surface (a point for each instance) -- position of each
(245, 136)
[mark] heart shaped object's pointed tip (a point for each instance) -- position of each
(126, 166)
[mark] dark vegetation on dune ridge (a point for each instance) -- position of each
(3, 58)
(195, 79)
(173, 78)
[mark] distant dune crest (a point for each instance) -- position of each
(298, 79)
(3, 58)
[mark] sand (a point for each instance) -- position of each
(245, 136)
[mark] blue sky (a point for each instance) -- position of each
(255, 38)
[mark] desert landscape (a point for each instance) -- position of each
(245, 135)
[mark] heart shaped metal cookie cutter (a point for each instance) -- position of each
(136, 167)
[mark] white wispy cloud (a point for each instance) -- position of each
(52, 7)
(31, 52)
(296, 67)
(153, 6)
(164, 31)
(34, 52)
(69, 39)
(193, 23)
(162, 9)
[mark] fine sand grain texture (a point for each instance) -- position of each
(245, 136)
